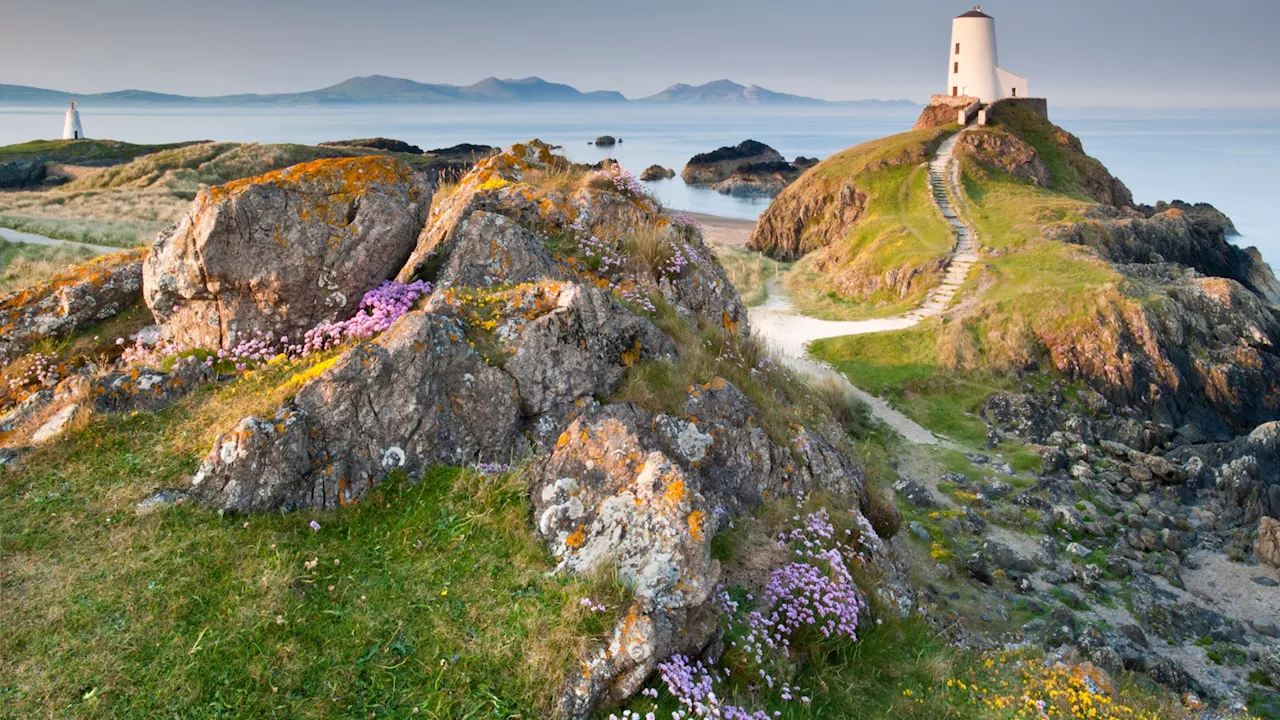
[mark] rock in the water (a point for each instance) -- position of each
(606, 141)
(1268, 545)
(284, 252)
(379, 143)
(758, 178)
(82, 295)
(714, 167)
(657, 172)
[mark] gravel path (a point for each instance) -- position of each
(22, 237)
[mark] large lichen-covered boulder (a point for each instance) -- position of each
(80, 296)
(646, 494)
(257, 465)
(493, 185)
(419, 395)
(283, 252)
(422, 394)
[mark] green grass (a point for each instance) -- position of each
(901, 230)
(903, 366)
(79, 152)
(441, 595)
(114, 233)
(750, 272)
(23, 264)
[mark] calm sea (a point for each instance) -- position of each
(1228, 158)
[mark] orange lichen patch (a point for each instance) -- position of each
(576, 539)
(729, 323)
(494, 183)
(695, 520)
(632, 356)
(93, 274)
(717, 383)
(335, 175)
(676, 493)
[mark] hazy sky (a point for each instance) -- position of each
(1082, 52)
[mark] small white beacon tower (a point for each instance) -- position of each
(71, 129)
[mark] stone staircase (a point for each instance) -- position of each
(944, 183)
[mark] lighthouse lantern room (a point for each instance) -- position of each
(974, 70)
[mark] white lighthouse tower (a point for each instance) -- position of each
(71, 129)
(974, 70)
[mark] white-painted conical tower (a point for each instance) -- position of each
(71, 129)
(974, 69)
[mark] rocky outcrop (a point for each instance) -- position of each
(766, 178)
(1268, 545)
(493, 186)
(1077, 170)
(646, 494)
(1006, 152)
(1207, 354)
(822, 207)
(657, 172)
(281, 253)
(606, 141)
(86, 294)
(514, 357)
(379, 143)
(717, 166)
(1193, 236)
(491, 249)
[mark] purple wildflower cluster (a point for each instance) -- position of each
(40, 369)
(625, 182)
(693, 686)
(379, 308)
(640, 299)
(683, 220)
(682, 258)
(815, 592)
(608, 256)
(592, 605)
(491, 468)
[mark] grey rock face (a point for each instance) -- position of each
(647, 492)
(87, 294)
(283, 252)
(129, 390)
(491, 249)
(582, 347)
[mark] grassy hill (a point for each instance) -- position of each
(1027, 296)
(864, 228)
(146, 188)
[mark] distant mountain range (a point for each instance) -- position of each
(381, 89)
